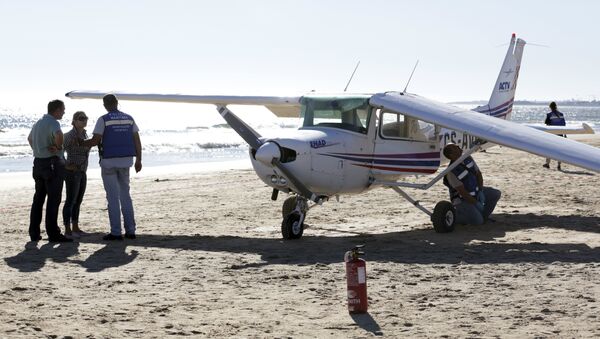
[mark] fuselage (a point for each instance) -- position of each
(345, 144)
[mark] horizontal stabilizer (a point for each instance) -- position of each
(498, 131)
(583, 129)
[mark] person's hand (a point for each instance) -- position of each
(138, 166)
(52, 149)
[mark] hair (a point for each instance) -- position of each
(76, 116)
(553, 105)
(446, 150)
(110, 101)
(54, 105)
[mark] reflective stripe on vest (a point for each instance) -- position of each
(117, 140)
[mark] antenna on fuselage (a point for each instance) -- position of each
(355, 68)
(411, 74)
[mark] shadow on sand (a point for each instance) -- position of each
(467, 244)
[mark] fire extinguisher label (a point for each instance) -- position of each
(362, 275)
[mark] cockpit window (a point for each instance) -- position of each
(346, 113)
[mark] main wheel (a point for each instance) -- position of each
(443, 217)
(288, 206)
(291, 228)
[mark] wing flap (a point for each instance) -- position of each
(281, 103)
(498, 131)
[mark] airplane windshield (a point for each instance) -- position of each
(346, 113)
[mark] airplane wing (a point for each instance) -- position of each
(583, 129)
(498, 131)
(280, 106)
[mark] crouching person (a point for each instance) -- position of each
(473, 202)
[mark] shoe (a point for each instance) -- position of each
(130, 235)
(110, 236)
(60, 238)
(547, 165)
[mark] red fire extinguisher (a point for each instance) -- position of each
(356, 277)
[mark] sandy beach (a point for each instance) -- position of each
(209, 261)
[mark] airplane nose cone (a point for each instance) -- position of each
(266, 152)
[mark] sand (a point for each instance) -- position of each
(210, 262)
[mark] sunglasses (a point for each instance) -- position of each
(82, 118)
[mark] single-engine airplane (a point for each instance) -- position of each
(351, 143)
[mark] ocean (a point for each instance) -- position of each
(181, 137)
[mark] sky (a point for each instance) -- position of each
(292, 47)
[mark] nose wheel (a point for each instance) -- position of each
(294, 211)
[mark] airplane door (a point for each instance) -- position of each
(404, 146)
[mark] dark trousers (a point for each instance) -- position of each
(48, 174)
(75, 184)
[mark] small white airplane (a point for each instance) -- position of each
(351, 143)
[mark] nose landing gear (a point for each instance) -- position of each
(294, 211)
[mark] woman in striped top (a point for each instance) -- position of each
(76, 163)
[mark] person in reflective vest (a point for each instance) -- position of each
(119, 140)
(473, 202)
(554, 118)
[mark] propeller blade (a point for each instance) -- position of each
(252, 138)
(246, 132)
(302, 190)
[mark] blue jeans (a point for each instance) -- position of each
(75, 183)
(467, 213)
(116, 185)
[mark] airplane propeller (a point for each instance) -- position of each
(266, 152)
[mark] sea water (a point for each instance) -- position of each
(174, 134)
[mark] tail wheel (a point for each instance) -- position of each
(291, 228)
(443, 217)
(289, 205)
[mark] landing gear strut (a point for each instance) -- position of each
(294, 211)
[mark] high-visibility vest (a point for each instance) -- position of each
(117, 140)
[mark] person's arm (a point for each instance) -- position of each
(30, 139)
(94, 141)
(138, 151)
(479, 179)
(465, 194)
(58, 142)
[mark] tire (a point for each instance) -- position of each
(444, 217)
(290, 227)
(288, 206)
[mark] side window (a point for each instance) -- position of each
(393, 125)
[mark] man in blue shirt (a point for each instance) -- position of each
(119, 140)
(46, 140)
(554, 118)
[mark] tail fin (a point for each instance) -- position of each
(503, 94)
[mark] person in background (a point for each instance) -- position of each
(554, 118)
(76, 165)
(473, 202)
(119, 140)
(46, 140)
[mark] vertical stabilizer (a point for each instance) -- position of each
(503, 94)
